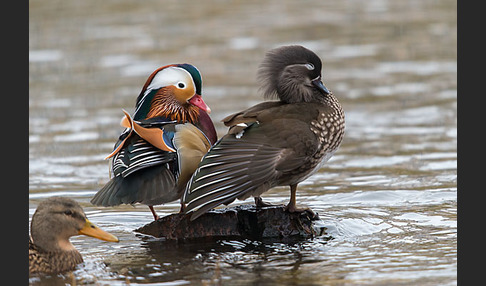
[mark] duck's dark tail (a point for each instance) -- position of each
(150, 186)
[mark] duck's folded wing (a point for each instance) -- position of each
(251, 114)
(264, 146)
(141, 173)
(138, 155)
(233, 168)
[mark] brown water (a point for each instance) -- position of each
(388, 197)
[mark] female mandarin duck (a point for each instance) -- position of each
(163, 142)
(274, 143)
(53, 223)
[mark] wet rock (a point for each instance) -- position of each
(244, 221)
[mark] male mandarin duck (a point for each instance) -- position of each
(163, 142)
(53, 223)
(274, 143)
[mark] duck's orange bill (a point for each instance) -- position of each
(197, 100)
(90, 229)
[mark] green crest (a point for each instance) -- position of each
(196, 76)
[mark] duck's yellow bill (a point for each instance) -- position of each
(90, 229)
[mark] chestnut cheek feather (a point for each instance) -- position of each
(183, 95)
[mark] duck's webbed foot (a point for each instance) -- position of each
(292, 207)
(261, 204)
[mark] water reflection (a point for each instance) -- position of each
(218, 260)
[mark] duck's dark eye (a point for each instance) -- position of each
(68, 212)
(181, 85)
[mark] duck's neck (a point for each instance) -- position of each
(54, 244)
(65, 245)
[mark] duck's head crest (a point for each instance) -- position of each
(291, 73)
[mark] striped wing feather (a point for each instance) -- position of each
(141, 173)
(145, 174)
(232, 169)
(265, 146)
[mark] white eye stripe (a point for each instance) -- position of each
(309, 66)
(169, 76)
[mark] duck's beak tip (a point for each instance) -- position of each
(197, 100)
(320, 85)
(90, 229)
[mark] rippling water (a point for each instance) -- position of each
(388, 197)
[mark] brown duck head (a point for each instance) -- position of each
(293, 74)
(57, 219)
